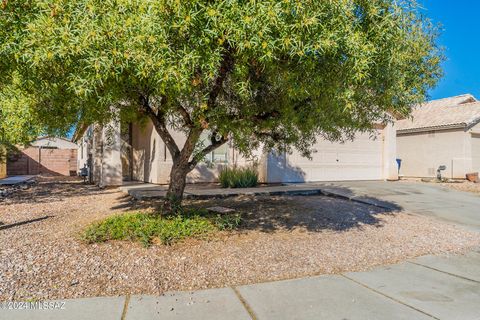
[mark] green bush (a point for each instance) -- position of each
(245, 177)
(145, 227)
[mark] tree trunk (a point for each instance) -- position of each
(178, 177)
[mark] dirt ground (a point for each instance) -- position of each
(280, 238)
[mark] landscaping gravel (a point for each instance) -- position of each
(281, 237)
(459, 185)
(464, 186)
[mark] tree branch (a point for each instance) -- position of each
(190, 144)
(225, 67)
(202, 154)
(159, 122)
(186, 116)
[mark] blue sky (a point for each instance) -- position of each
(460, 20)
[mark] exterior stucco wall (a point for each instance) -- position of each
(475, 152)
(111, 161)
(475, 147)
(390, 166)
(152, 161)
(83, 150)
(104, 145)
(475, 129)
(422, 153)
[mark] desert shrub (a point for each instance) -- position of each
(245, 177)
(145, 227)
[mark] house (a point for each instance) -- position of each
(136, 152)
(46, 155)
(441, 132)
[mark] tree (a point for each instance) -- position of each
(276, 74)
(17, 124)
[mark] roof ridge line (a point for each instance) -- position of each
(453, 97)
(464, 104)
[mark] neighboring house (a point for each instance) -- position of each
(441, 132)
(138, 153)
(46, 155)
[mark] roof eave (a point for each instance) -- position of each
(473, 123)
(433, 128)
(79, 131)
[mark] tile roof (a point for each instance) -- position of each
(460, 111)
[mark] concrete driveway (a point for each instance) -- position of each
(458, 207)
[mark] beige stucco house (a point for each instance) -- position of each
(441, 132)
(137, 153)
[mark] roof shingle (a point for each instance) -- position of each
(459, 111)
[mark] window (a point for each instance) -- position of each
(219, 155)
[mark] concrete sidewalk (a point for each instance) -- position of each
(431, 287)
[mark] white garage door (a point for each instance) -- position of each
(361, 159)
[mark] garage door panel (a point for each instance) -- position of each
(361, 159)
(333, 173)
(346, 156)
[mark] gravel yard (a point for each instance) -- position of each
(460, 185)
(464, 186)
(281, 237)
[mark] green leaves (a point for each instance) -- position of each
(145, 227)
(17, 125)
(301, 68)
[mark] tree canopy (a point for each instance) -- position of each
(17, 123)
(277, 73)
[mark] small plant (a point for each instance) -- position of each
(245, 177)
(145, 227)
(228, 222)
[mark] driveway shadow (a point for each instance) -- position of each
(310, 213)
(332, 211)
(347, 193)
(263, 213)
